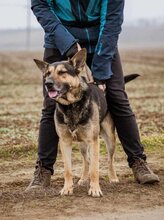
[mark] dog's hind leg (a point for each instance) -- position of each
(86, 160)
(108, 134)
(66, 149)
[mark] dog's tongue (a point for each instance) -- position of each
(52, 94)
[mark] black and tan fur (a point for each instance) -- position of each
(81, 115)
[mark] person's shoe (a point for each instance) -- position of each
(41, 179)
(142, 173)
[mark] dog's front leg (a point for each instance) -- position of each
(94, 190)
(66, 149)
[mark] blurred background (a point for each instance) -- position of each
(143, 25)
(142, 51)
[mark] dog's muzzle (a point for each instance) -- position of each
(55, 89)
(49, 84)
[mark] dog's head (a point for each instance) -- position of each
(62, 78)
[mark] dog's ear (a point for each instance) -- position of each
(43, 66)
(79, 59)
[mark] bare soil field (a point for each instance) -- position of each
(20, 111)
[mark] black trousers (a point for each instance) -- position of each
(119, 108)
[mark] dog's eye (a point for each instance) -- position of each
(62, 73)
(47, 74)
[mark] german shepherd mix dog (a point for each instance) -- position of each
(81, 115)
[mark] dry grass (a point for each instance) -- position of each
(20, 110)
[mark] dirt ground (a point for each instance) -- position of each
(20, 110)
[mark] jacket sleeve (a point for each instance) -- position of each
(111, 18)
(43, 10)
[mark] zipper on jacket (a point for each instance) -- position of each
(79, 10)
(90, 50)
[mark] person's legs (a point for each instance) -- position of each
(126, 125)
(48, 138)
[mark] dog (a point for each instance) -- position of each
(81, 115)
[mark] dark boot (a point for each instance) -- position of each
(142, 173)
(41, 179)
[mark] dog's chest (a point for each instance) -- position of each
(74, 117)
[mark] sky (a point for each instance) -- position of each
(13, 13)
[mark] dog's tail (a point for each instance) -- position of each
(130, 77)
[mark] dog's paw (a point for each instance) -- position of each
(115, 180)
(95, 191)
(83, 182)
(66, 191)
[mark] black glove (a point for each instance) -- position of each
(72, 51)
(99, 82)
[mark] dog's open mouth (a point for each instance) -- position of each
(54, 94)
(56, 91)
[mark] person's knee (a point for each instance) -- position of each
(118, 103)
(117, 96)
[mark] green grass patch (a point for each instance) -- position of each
(152, 144)
(4, 130)
(103, 150)
(18, 151)
(153, 141)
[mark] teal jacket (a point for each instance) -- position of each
(95, 24)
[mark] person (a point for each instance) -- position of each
(95, 25)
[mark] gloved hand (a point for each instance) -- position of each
(73, 50)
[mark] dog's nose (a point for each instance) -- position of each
(49, 83)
